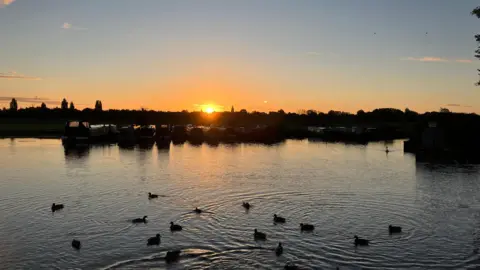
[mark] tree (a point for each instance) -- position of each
(360, 113)
(444, 110)
(13, 105)
(72, 106)
(64, 104)
(98, 106)
(476, 12)
(43, 106)
(232, 110)
(281, 111)
(243, 111)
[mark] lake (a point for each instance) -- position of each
(344, 190)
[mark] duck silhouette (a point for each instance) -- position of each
(278, 219)
(56, 207)
(154, 240)
(279, 249)
(76, 244)
(175, 227)
(140, 220)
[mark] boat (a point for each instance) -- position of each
(76, 133)
(126, 136)
(179, 134)
(163, 133)
(145, 133)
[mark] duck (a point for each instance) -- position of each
(246, 205)
(198, 211)
(154, 240)
(360, 241)
(175, 227)
(279, 249)
(140, 220)
(152, 196)
(76, 244)
(278, 219)
(172, 256)
(394, 229)
(259, 235)
(56, 207)
(306, 227)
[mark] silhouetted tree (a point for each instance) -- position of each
(281, 111)
(360, 113)
(64, 104)
(72, 106)
(98, 106)
(312, 113)
(444, 110)
(43, 106)
(232, 110)
(476, 12)
(13, 105)
(243, 111)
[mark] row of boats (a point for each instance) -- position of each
(82, 133)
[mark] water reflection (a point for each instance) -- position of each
(76, 153)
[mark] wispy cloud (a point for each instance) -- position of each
(330, 54)
(30, 100)
(426, 59)
(458, 105)
(4, 3)
(15, 75)
(465, 61)
(69, 26)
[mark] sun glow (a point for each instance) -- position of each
(209, 110)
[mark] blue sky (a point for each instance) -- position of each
(171, 55)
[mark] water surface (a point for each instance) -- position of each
(342, 189)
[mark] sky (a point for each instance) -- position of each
(256, 55)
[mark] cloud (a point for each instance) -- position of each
(4, 3)
(457, 105)
(426, 59)
(15, 75)
(30, 100)
(313, 53)
(69, 26)
(465, 61)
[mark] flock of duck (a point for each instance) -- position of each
(174, 255)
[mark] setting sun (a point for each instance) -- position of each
(209, 110)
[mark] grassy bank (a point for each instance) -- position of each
(31, 128)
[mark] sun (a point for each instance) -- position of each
(209, 110)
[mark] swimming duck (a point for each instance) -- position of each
(175, 227)
(198, 211)
(306, 227)
(246, 205)
(279, 249)
(76, 244)
(278, 219)
(154, 240)
(394, 229)
(172, 256)
(259, 235)
(360, 241)
(152, 196)
(140, 220)
(56, 207)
